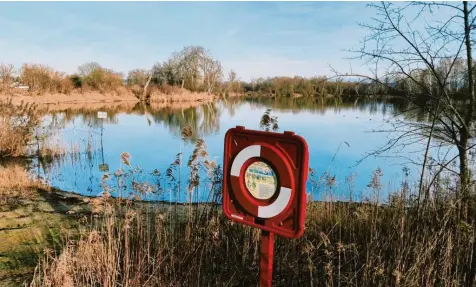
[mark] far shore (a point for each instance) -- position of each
(180, 99)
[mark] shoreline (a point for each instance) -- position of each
(59, 102)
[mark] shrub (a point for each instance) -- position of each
(67, 85)
(41, 79)
(57, 82)
(36, 76)
(137, 77)
(76, 81)
(6, 76)
(17, 124)
(166, 89)
(96, 77)
(15, 183)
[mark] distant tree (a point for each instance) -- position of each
(88, 68)
(138, 77)
(159, 76)
(191, 56)
(37, 77)
(192, 68)
(96, 77)
(232, 82)
(6, 75)
(212, 73)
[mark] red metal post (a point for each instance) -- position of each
(266, 259)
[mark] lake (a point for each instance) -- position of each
(339, 135)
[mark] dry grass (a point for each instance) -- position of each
(364, 243)
(17, 123)
(12, 142)
(354, 245)
(6, 76)
(180, 95)
(42, 79)
(102, 79)
(14, 177)
(76, 97)
(122, 96)
(16, 183)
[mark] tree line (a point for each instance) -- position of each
(39, 78)
(195, 69)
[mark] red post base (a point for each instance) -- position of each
(266, 259)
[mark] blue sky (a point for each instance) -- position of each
(256, 39)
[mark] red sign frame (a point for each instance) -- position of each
(287, 154)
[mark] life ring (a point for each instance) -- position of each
(282, 198)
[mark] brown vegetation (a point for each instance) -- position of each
(95, 77)
(192, 69)
(16, 128)
(363, 243)
(418, 237)
(43, 79)
(14, 183)
(6, 76)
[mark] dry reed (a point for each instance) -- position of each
(365, 243)
(16, 183)
(17, 123)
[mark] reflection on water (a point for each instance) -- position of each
(337, 133)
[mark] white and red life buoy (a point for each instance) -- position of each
(286, 155)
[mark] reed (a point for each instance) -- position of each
(367, 242)
(17, 125)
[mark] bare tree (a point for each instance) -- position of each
(191, 57)
(138, 77)
(87, 68)
(142, 78)
(232, 79)
(212, 73)
(6, 75)
(422, 52)
(193, 67)
(417, 59)
(146, 86)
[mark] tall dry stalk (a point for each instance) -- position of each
(358, 243)
(17, 124)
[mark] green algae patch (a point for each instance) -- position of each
(31, 226)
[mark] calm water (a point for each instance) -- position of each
(338, 135)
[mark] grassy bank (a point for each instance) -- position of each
(365, 243)
(50, 238)
(345, 244)
(32, 217)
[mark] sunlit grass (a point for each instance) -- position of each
(366, 243)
